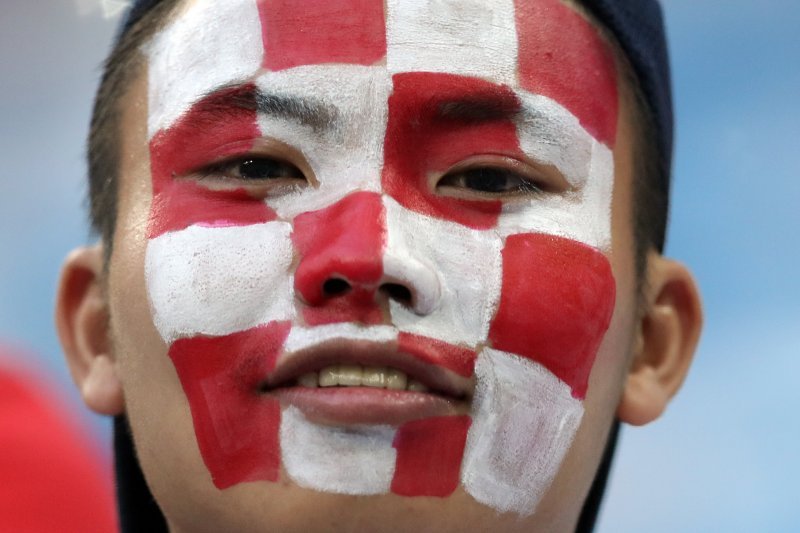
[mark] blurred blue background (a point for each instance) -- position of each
(725, 455)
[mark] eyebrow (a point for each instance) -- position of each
(305, 111)
(483, 108)
(490, 107)
(302, 110)
(471, 108)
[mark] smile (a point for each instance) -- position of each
(361, 376)
(356, 382)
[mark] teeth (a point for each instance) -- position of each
(329, 377)
(374, 377)
(357, 376)
(350, 375)
(395, 379)
(416, 386)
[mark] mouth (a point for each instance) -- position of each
(357, 382)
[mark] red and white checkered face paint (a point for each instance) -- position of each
(379, 99)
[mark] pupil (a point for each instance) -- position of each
(487, 180)
(259, 169)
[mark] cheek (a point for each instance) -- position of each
(555, 306)
(235, 425)
(613, 359)
(608, 377)
(614, 353)
(155, 403)
(556, 302)
(217, 281)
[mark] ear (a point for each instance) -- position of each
(667, 336)
(82, 321)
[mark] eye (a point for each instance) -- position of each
(489, 181)
(254, 169)
(264, 168)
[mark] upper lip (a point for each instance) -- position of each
(368, 353)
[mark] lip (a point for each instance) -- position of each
(449, 394)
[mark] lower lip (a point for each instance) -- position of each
(347, 406)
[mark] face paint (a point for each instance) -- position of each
(374, 263)
(345, 31)
(429, 454)
(209, 131)
(527, 419)
(345, 238)
(234, 452)
(562, 57)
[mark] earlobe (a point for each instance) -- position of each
(667, 337)
(82, 319)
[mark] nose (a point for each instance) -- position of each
(343, 264)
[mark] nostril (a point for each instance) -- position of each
(397, 292)
(335, 287)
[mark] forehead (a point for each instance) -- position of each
(541, 46)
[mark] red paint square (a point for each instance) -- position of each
(237, 427)
(421, 140)
(313, 32)
(429, 454)
(342, 242)
(556, 303)
(562, 56)
(218, 127)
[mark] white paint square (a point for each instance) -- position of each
(465, 37)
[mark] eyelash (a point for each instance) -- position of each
(228, 170)
(486, 180)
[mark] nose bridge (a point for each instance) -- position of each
(342, 241)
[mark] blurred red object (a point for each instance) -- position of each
(52, 476)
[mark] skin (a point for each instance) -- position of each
(120, 363)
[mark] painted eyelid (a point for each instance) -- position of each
(225, 166)
(221, 170)
(261, 147)
(538, 182)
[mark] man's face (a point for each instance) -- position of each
(365, 249)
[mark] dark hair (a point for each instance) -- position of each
(651, 167)
(651, 163)
(103, 151)
(650, 186)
